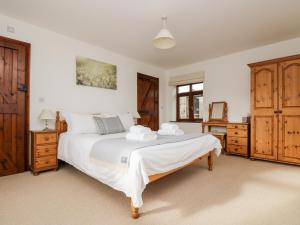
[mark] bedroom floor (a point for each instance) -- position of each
(238, 191)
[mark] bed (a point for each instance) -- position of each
(147, 165)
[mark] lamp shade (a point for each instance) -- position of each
(136, 115)
(164, 39)
(47, 114)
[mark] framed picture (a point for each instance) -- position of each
(93, 73)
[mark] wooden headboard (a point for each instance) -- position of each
(60, 125)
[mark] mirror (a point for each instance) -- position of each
(218, 111)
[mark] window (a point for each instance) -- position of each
(189, 102)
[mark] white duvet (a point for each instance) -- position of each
(75, 150)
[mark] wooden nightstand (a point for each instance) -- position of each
(43, 151)
(238, 139)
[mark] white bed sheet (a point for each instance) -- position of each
(75, 150)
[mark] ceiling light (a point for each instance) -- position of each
(164, 38)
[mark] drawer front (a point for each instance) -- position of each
(237, 133)
(238, 149)
(46, 161)
(44, 150)
(237, 126)
(237, 141)
(46, 138)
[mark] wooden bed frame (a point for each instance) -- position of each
(61, 126)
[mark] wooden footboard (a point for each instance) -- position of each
(61, 126)
(152, 178)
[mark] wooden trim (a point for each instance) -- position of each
(187, 121)
(224, 118)
(276, 60)
(274, 160)
(60, 125)
(158, 176)
(12, 43)
(190, 94)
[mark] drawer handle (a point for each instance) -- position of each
(235, 132)
(235, 126)
(46, 138)
(47, 162)
(236, 141)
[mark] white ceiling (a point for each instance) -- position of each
(203, 28)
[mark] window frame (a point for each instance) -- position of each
(191, 95)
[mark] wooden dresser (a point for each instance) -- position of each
(238, 139)
(43, 151)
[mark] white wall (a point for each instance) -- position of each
(52, 74)
(227, 78)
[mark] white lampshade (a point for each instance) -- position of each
(136, 115)
(164, 39)
(47, 114)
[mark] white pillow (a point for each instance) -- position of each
(80, 123)
(126, 120)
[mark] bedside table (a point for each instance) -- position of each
(238, 139)
(43, 151)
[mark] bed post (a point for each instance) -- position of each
(57, 125)
(134, 212)
(210, 160)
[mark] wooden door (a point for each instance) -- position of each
(147, 100)
(13, 106)
(264, 121)
(289, 111)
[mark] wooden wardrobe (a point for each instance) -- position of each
(275, 110)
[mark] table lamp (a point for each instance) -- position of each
(46, 115)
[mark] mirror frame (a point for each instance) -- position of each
(224, 114)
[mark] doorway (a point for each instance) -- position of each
(148, 100)
(14, 106)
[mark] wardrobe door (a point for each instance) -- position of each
(264, 121)
(289, 111)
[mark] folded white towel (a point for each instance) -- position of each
(139, 129)
(169, 126)
(141, 137)
(175, 132)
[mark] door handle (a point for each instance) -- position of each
(278, 111)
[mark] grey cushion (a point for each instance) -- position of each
(109, 125)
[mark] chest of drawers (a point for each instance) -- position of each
(43, 151)
(238, 139)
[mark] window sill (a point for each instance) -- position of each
(174, 121)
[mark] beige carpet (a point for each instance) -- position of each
(238, 191)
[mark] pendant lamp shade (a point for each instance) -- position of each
(164, 39)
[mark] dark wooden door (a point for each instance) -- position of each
(148, 100)
(13, 106)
